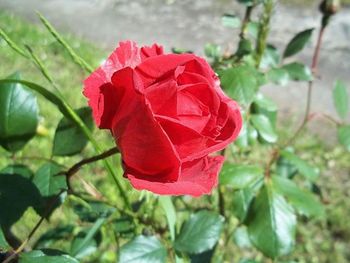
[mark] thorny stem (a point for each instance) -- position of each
(314, 67)
(246, 21)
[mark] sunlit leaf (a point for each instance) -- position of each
(341, 99)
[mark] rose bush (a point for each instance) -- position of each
(167, 114)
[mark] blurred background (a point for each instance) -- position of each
(94, 28)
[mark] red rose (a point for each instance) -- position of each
(167, 113)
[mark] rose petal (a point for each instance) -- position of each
(146, 150)
(154, 50)
(197, 178)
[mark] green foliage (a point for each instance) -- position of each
(231, 21)
(46, 256)
(341, 99)
(297, 43)
(69, 138)
(143, 249)
(240, 176)
(200, 233)
(271, 223)
(18, 115)
(298, 71)
(344, 136)
(264, 127)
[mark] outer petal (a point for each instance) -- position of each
(146, 150)
(127, 54)
(197, 178)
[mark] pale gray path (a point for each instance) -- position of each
(190, 24)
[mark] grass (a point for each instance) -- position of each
(317, 240)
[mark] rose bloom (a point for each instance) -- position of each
(167, 114)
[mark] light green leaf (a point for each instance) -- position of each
(298, 71)
(231, 21)
(271, 57)
(264, 127)
(241, 237)
(341, 99)
(344, 136)
(309, 172)
(271, 223)
(239, 176)
(278, 76)
(46, 256)
(69, 138)
(3, 243)
(212, 50)
(170, 213)
(298, 43)
(241, 83)
(200, 233)
(143, 249)
(303, 201)
(265, 106)
(19, 115)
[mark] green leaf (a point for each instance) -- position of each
(69, 138)
(241, 237)
(48, 180)
(170, 213)
(278, 76)
(298, 71)
(3, 243)
(341, 99)
(239, 176)
(264, 127)
(309, 172)
(298, 43)
(241, 83)
(231, 21)
(285, 168)
(271, 223)
(17, 193)
(253, 29)
(344, 136)
(83, 243)
(304, 202)
(18, 115)
(143, 249)
(205, 257)
(200, 233)
(46, 256)
(271, 57)
(241, 200)
(265, 106)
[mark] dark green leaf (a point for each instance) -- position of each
(18, 115)
(17, 193)
(344, 136)
(241, 83)
(271, 223)
(124, 226)
(297, 43)
(48, 180)
(92, 210)
(143, 249)
(264, 128)
(170, 213)
(341, 99)
(83, 244)
(304, 202)
(239, 176)
(285, 168)
(46, 256)
(231, 21)
(244, 48)
(298, 71)
(205, 257)
(69, 138)
(200, 233)
(309, 172)
(278, 76)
